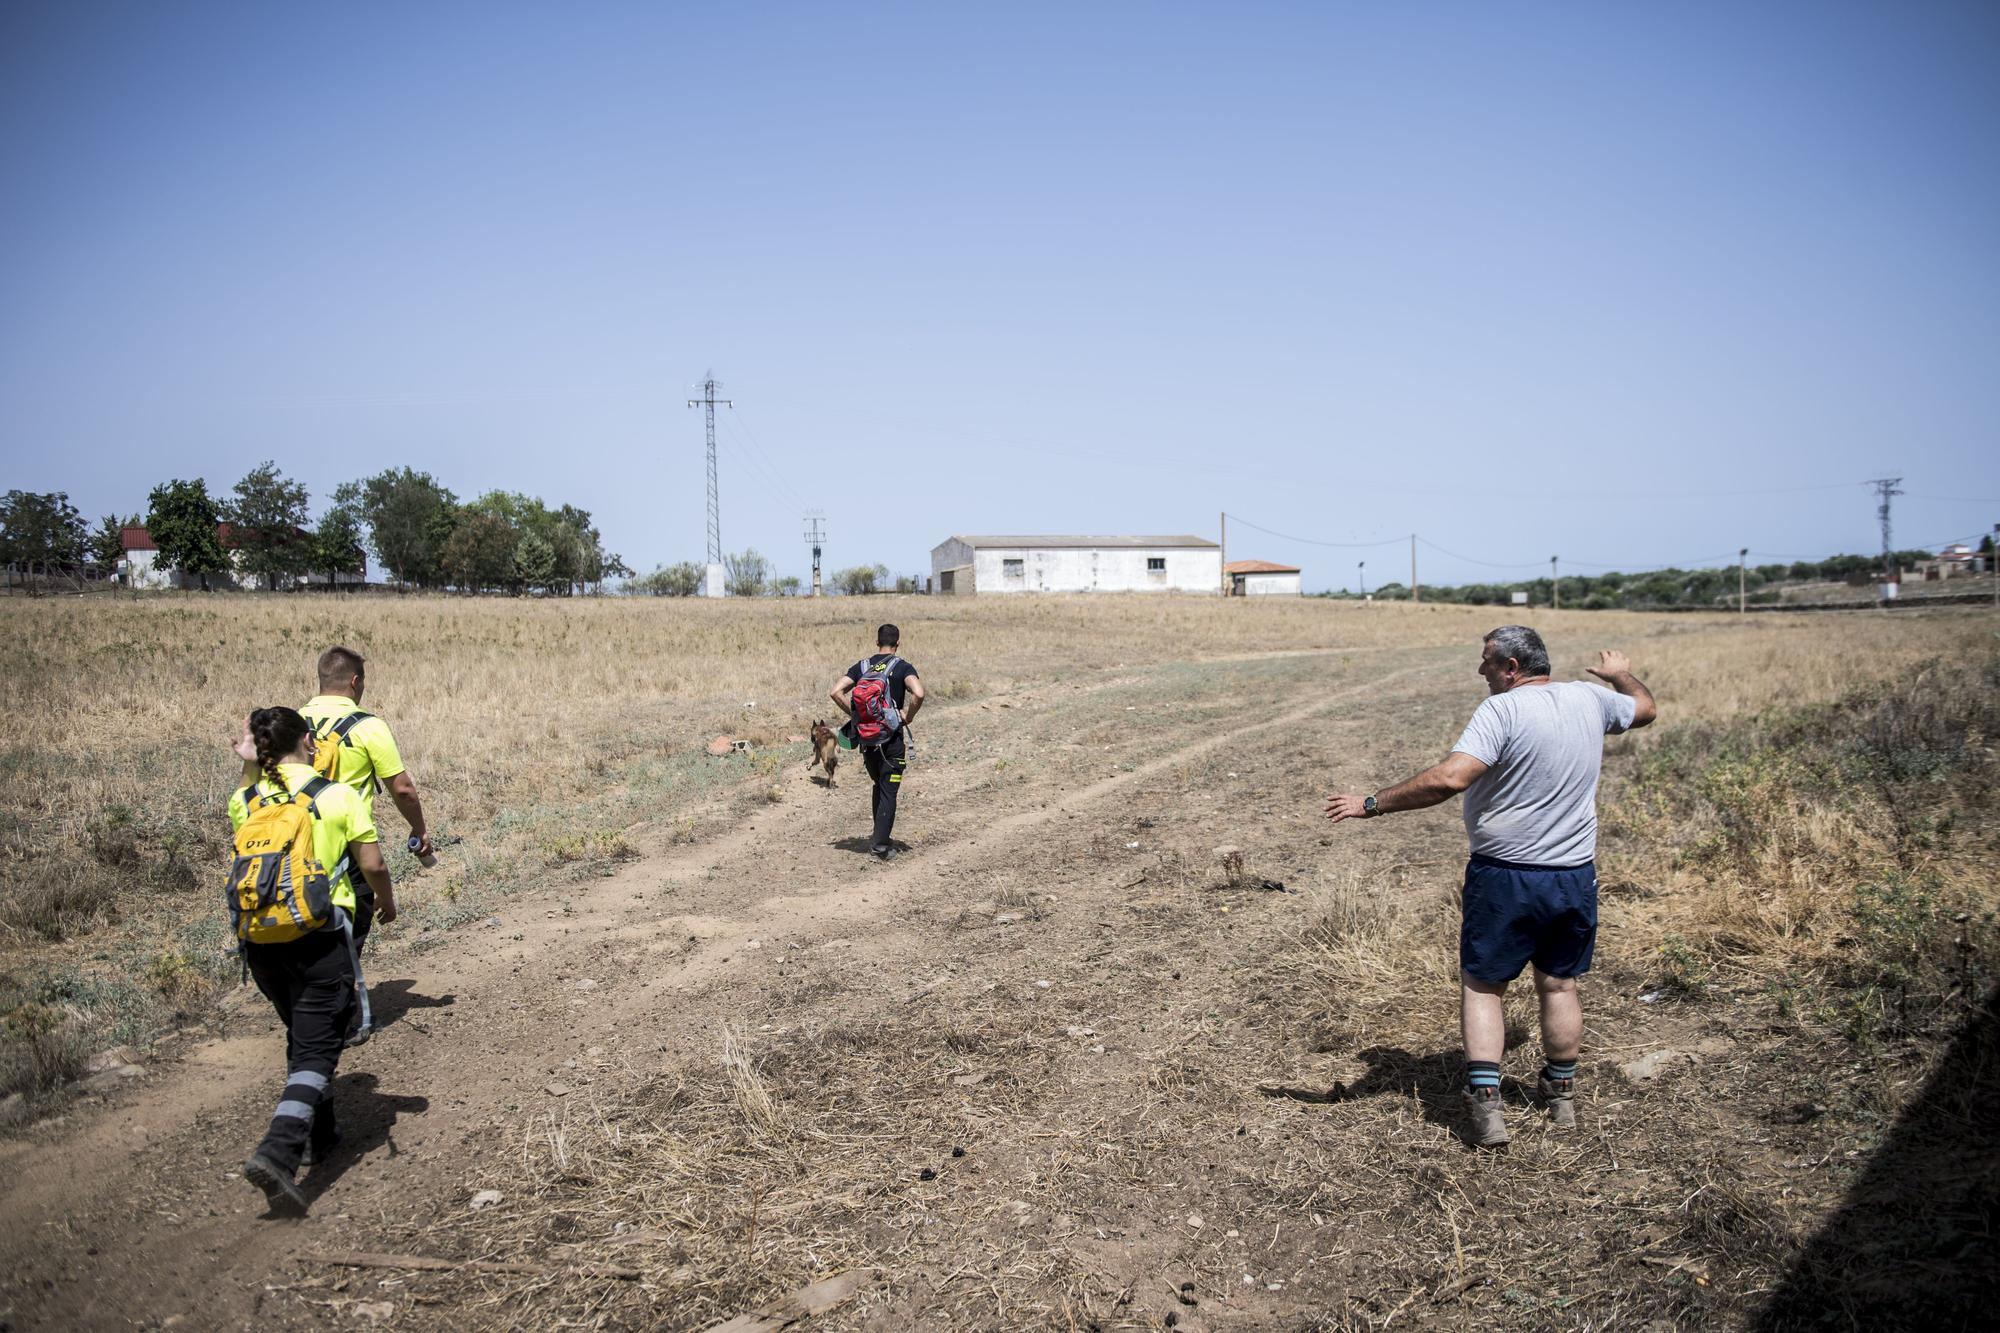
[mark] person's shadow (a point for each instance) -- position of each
(1916, 1243)
(1436, 1080)
(366, 1117)
(866, 845)
(391, 1000)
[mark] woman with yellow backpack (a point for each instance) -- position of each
(299, 840)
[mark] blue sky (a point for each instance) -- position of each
(1632, 286)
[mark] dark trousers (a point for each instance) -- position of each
(885, 769)
(310, 982)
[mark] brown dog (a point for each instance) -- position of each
(826, 749)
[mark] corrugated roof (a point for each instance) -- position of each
(1258, 567)
(1048, 542)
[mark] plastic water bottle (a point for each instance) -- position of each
(426, 859)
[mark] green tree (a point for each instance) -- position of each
(788, 586)
(745, 573)
(480, 552)
(107, 543)
(410, 518)
(860, 580)
(270, 515)
(182, 518)
(41, 529)
(336, 543)
(535, 562)
(677, 580)
(611, 566)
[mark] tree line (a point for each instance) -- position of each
(748, 574)
(1663, 587)
(422, 534)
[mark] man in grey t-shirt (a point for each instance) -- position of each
(1528, 763)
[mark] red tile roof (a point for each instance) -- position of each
(138, 539)
(1258, 567)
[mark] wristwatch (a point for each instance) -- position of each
(1368, 807)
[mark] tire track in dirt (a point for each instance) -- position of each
(137, 1213)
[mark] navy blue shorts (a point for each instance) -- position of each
(1519, 914)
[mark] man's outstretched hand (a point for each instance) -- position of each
(1346, 807)
(1611, 664)
(244, 747)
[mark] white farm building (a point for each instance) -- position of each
(962, 565)
(1261, 578)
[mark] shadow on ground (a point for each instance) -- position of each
(866, 845)
(367, 1116)
(390, 1000)
(1436, 1080)
(1914, 1243)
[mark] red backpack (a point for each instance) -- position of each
(876, 717)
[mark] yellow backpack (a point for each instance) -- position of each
(330, 736)
(278, 890)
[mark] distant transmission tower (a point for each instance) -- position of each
(815, 538)
(709, 400)
(1885, 487)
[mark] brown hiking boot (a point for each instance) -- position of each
(1559, 1096)
(1488, 1119)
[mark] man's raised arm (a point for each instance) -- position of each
(1615, 670)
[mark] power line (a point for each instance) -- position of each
(1309, 541)
(767, 479)
(764, 456)
(1474, 560)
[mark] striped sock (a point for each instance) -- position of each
(1482, 1076)
(1558, 1071)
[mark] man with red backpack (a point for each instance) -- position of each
(881, 695)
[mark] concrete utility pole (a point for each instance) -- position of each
(1555, 589)
(1361, 574)
(1993, 563)
(708, 399)
(815, 538)
(1414, 597)
(1742, 575)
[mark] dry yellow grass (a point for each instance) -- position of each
(546, 734)
(542, 735)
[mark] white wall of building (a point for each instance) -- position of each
(1270, 585)
(141, 569)
(1082, 569)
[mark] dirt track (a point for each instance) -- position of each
(1121, 1164)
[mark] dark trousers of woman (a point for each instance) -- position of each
(311, 983)
(885, 764)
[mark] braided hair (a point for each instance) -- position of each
(276, 732)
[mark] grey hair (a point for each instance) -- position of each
(1524, 646)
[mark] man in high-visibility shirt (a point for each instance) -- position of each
(369, 760)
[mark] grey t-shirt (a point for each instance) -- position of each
(1542, 746)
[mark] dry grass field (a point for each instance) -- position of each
(1051, 1069)
(540, 733)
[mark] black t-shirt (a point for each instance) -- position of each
(898, 674)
